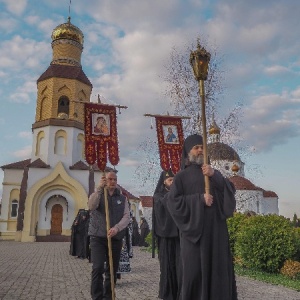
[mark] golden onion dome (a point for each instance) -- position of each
(67, 31)
(214, 128)
(235, 168)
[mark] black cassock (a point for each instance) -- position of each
(167, 235)
(207, 270)
(79, 237)
(144, 232)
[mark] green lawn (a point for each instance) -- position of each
(277, 279)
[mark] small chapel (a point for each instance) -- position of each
(42, 194)
(250, 199)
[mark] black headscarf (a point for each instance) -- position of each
(189, 143)
(163, 176)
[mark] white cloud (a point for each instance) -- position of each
(15, 7)
(23, 94)
(23, 153)
(276, 70)
(271, 120)
(7, 23)
(20, 53)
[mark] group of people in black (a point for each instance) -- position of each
(189, 225)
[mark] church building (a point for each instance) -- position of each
(249, 198)
(42, 194)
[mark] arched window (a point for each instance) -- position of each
(40, 143)
(80, 146)
(60, 146)
(14, 209)
(63, 105)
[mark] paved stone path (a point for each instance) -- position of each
(45, 271)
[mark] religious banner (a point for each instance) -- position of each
(170, 141)
(101, 137)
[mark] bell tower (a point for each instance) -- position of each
(62, 91)
(63, 87)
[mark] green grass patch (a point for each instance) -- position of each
(277, 279)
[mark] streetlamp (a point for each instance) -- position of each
(199, 60)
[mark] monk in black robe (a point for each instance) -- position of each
(167, 235)
(145, 230)
(79, 236)
(135, 232)
(207, 265)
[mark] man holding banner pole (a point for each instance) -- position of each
(100, 235)
(109, 214)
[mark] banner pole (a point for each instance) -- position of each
(111, 267)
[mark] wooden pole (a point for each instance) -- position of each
(111, 266)
(204, 136)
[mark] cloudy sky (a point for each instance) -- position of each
(126, 46)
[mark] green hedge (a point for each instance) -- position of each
(234, 224)
(265, 242)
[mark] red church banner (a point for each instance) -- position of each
(101, 137)
(170, 141)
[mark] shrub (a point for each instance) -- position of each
(265, 242)
(291, 269)
(297, 244)
(234, 224)
(148, 239)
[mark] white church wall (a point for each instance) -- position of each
(65, 145)
(13, 176)
(36, 174)
(44, 149)
(248, 201)
(269, 205)
(12, 180)
(82, 176)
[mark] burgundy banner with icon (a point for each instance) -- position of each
(101, 137)
(170, 141)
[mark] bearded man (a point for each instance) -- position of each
(207, 266)
(167, 235)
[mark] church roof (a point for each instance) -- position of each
(241, 183)
(221, 151)
(17, 165)
(147, 201)
(80, 165)
(38, 163)
(269, 194)
(64, 71)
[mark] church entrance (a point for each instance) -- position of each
(56, 219)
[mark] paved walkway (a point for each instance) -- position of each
(45, 271)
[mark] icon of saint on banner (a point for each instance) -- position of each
(170, 134)
(101, 124)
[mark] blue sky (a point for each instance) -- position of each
(127, 43)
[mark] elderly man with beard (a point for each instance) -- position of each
(207, 266)
(167, 235)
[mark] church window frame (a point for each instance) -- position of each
(14, 206)
(63, 105)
